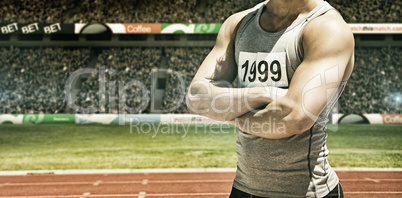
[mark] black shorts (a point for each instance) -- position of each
(337, 192)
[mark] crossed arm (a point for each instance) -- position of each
(326, 63)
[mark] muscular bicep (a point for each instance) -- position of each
(218, 68)
(328, 52)
(219, 65)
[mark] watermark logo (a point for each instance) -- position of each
(122, 88)
(321, 88)
(181, 129)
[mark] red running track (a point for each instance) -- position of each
(190, 185)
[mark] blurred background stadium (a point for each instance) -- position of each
(35, 66)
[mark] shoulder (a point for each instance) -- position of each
(331, 21)
(329, 32)
(231, 23)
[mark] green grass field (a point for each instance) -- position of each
(49, 147)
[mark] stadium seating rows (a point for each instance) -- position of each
(120, 66)
(375, 84)
(33, 80)
(167, 11)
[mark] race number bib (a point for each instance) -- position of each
(257, 69)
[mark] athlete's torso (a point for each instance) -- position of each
(291, 167)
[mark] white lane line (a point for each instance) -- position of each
(142, 195)
(187, 194)
(373, 180)
(121, 171)
(85, 195)
(167, 195)
(48, 183)
(365, 169)
(144, 182)
(127, 195)
(379, 192)
(97, 183)
(47, 196)
(171, 194)
(167, 170)
(190, 181)
(369, 179)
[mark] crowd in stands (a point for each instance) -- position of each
(127, 71)
(375, 83)
(35, 11)
(134, 11)
(168, 11)
(369, 11)
(32, 80)
(183, 63)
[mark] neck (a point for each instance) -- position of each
(283, 8)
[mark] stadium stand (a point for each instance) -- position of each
(184, 61)
(32, 80)
(374, 82)
(121, 65)
(189, 11)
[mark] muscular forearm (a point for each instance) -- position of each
(267, 126)
(276, 121)
(225, 104)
